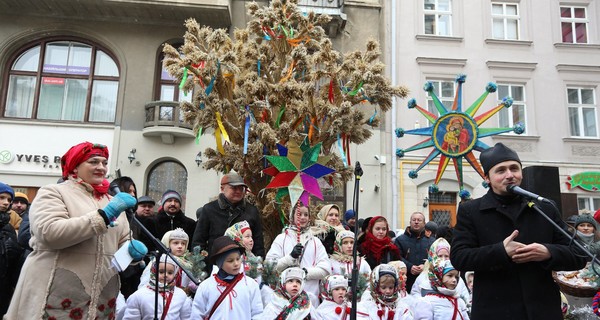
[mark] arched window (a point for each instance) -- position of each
(168, 88)
(62, 80)
(167, 175)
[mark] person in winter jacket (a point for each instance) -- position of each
(413, 244)
(76, 228)
(169, 217)
(511, 247)
(229, 208)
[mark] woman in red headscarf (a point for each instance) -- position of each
(376, 245)
(76, 228)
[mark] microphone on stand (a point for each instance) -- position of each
(518, 190)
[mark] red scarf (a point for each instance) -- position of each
(377, 247)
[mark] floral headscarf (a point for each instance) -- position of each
(436, 247)
(236, 233)
(338, 254)
(376, 274)
(439, 268)
(162, 287)
(292, 308)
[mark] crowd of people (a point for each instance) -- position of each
(58, 250)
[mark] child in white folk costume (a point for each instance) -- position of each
(335, 306)
(173, 302)
(228, 294)
(341, 258)
(385, 302)
(242, 234)
(177, 241)
(289, 301)
(439, 249)
(442, 301)
(296, 246)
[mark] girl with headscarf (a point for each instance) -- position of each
(327, 225)
(76, 228)
(384, 302)
(290, 301)
(341, 258)
(296, 246)
(439, 250)
(335, 305)
(376, 245)
(173, 302)
(241, 233)
(441, 302)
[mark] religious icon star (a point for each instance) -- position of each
(454, 134)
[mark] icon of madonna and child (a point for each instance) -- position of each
(456, 134)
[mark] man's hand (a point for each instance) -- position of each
(510, 245)
(415, 270)
(531, 252)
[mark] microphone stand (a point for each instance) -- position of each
(595, 260)
(358, 172)
(161, 249)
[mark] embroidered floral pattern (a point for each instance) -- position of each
(76, 314)
(65, 304)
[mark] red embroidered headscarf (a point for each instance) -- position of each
(378, 247)
(80, 153)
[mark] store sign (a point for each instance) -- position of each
(7, 157)
(589, 181)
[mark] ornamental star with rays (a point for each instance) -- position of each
(454, 133)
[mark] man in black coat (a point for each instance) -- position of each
(512, 248)
(169, 217)
(413, 245)
(229, 208)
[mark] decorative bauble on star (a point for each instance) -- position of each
(296, 169)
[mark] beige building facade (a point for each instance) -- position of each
(74, 71)
(542, 53)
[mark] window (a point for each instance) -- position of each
(167, 175)
(505, 21)
(589, 203)
(515, 114)
(582, 112)
(168, 86)
(438, 17)
(444, 90)
(574, 24)
(332, 195)
(63, 80)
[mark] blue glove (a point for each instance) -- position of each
(118, 204)
(137, 250)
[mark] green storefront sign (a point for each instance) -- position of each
(589, 181)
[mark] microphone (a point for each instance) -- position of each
(358, 171)
(517, 190)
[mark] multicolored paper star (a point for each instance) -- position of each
(296, 170)
(454, 133)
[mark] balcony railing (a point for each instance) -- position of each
(321, 3)
(333, 8)
(165, 119)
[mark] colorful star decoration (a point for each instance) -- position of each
(454, 134)
(295, 171)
